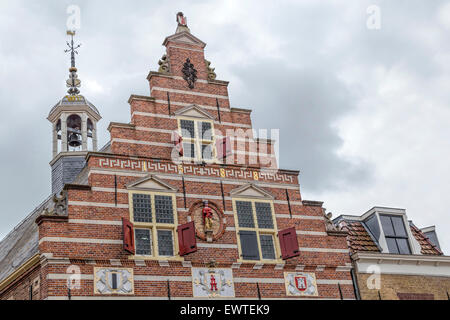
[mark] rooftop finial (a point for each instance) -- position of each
(73, 83)
(182, 23)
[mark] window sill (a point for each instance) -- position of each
(274, 262)
(149, 258)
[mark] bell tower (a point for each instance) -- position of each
(74, 122)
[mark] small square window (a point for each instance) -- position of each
(143, 239)
(165, 243)
(267, 248)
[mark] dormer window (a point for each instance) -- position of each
(390, 230)
(395, 234)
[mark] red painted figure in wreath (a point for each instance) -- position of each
(207, 216)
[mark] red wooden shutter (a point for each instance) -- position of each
(128, 236)
(288, 243)
(186, 238)
(178, 142)
(223, 147)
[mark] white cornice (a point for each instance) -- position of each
(424, 265)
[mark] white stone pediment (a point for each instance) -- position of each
(194, 111)
(185, 37)
(251, 191)
(151, 183)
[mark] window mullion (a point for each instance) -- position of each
(154, 230)
(255, 218)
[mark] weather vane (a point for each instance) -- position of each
(73, 83)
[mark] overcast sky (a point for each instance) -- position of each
(364, 112)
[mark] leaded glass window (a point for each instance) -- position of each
(165, 243)
(189, 149)
(143, 242)
(207, 151)
(163, 209)
(257, 239)
(205, 132)
(245, 214)
(264, 215)
(187, 129)
(142, 208)
(155, 222)
(267, 248)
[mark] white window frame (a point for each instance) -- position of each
(198, 143)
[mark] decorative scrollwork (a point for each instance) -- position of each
(189, 73)
(211, 74)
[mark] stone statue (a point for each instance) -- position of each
(329, 223)
(181, 19)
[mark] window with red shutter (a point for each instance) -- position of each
(128, 236)
(288, 243)
(178, 142)
(223, 147)
(186, 238)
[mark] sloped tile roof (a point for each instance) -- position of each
(20, 244)
(358, 238)
(427, 247)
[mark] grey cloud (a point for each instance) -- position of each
(303, 104)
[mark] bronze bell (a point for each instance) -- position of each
(74, 141)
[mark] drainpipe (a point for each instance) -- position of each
(355, 284)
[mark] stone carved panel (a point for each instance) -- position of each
(300, 284)
(113, 281)
(212, 283)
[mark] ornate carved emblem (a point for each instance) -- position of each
(208, 220)
(211, 282)
(113, 281)
(189, 73)
(301, 284)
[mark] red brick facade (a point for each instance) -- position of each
(90, 236)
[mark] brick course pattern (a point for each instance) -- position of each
(396, 287)
(91, 235)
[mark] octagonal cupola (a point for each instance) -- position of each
(74, 118)
(74, 129)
